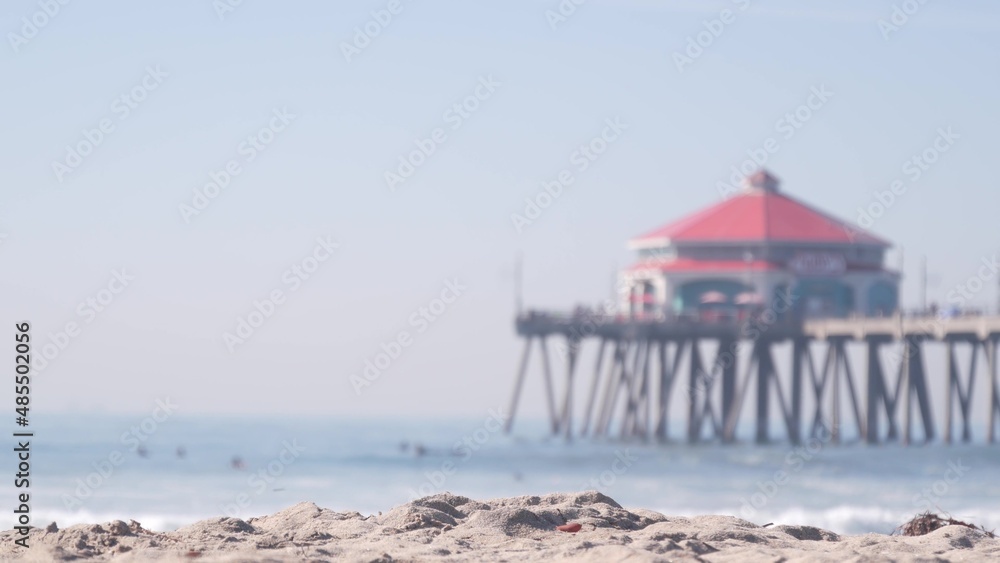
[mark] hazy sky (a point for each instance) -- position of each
(309, 116)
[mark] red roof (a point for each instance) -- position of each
(762, 214)
(691, 265)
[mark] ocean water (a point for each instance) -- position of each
(89, 469)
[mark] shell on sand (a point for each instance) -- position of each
(572, 527)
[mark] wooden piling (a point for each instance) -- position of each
(644, 360)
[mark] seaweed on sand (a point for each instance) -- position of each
(927, 522)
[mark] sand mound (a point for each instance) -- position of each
(447, 527)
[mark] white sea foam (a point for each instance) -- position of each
(157, 522)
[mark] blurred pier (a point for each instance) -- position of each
(859, 379)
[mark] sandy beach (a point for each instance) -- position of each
(446, 527)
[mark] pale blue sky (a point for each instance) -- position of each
(324, 175)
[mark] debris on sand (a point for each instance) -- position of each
(927, 522)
